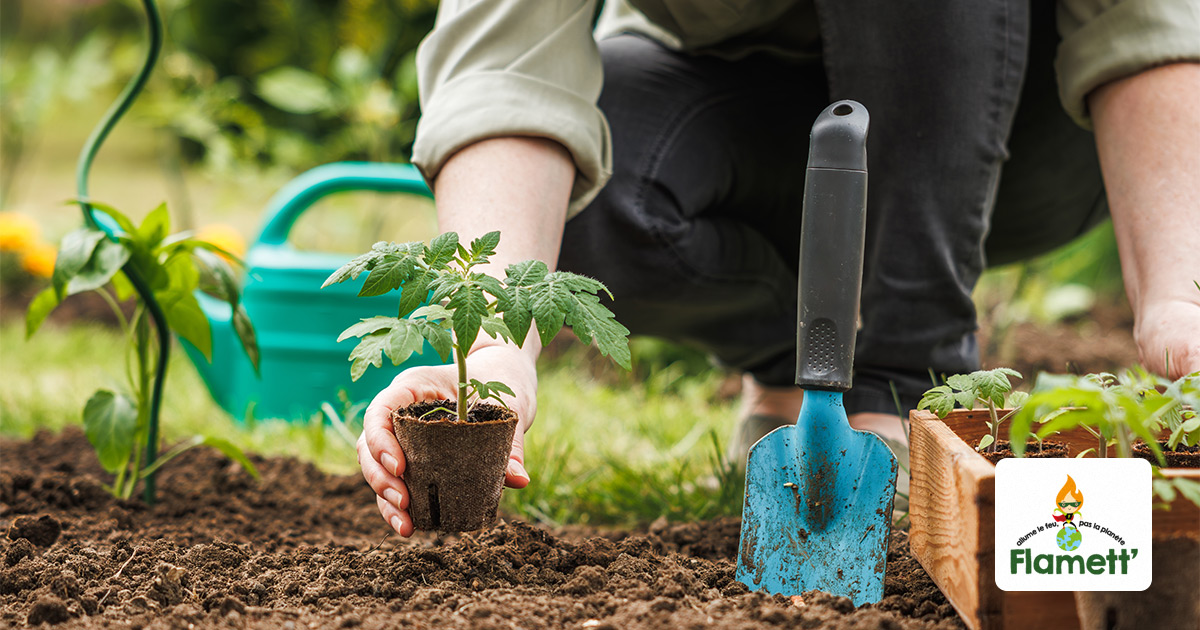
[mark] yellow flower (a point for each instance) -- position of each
(38, 259)
(224, 236)
(17, 232)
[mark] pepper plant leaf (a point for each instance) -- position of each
(107, 259)
(154, 227)
(42, 305)
(74, 252)
(110, 422)
(246, 335)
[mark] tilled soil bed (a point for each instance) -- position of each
(303, 549)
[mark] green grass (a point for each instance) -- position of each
(607, 447)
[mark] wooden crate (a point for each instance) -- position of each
(952, 507)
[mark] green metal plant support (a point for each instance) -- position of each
(83, 168)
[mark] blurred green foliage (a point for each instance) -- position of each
(242, 83)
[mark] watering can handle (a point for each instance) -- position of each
(831, 247)
(302, 192)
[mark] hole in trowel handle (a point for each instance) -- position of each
(842, 110)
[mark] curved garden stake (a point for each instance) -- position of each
(83, 168)
(819, 494)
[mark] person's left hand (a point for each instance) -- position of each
(1169, 331)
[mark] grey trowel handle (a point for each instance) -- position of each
(831, 247)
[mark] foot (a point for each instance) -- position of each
(763, 410)
(891, 430)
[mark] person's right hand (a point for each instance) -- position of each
(379, 453)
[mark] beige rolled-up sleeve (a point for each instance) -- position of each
(514, 68)
(1106, 40)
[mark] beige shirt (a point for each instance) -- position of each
(493, 68)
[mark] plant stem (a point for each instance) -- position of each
(460, 359)
(995, 427)
(1123, 447)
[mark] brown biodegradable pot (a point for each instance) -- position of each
(454, 470)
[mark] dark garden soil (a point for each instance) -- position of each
(303, 550)
(1183, 456)
(1046, 450)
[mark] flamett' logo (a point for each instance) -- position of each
(1070, 500)
(1106, 549)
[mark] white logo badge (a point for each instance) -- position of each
(1073, 524)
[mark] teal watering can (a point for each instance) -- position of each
(302, 365)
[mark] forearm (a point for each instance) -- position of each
(1148, 136)
(517, 185)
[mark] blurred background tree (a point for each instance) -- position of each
(243, 85)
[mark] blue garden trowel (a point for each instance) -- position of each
(819, 494)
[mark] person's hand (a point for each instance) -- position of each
(1169, 330)
(379, 453)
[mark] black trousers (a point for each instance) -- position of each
(972, 161)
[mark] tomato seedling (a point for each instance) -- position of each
(446, 302)
(990, 388)
(120, 425)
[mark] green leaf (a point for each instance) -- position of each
(230, 450)
(110, 422)
(368, 326)
(217, 278)
(368, 352)
(107, 259)
(122, 286)
(966, 399)
(985, 442)
(497, 386)
(433, 313)
(520, 280)
(443, 286)
(404, 340)
(441, 251)
(962, 382)
(484, 247)
(492, 286)
(590, 320)
(439, 338)
(1189, 488)
(297, 91)
(155, 227)
(939, 400)
(246, 335)
(469, 305)
(117, 216)
(42, 305)
(495, 327)
(1017, 399)
(389, 273)
(414, 293)
(187, 319)
(352, 269)
(74, 252)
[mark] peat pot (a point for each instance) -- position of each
(952, 503)
(454, 470)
